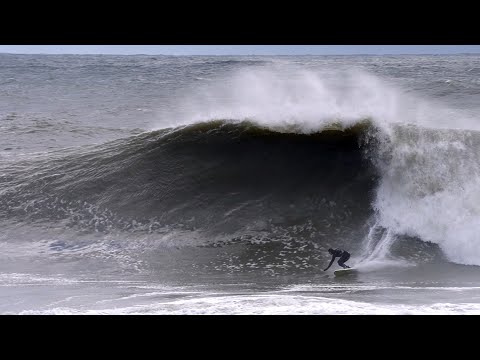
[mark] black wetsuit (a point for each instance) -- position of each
(343, 255)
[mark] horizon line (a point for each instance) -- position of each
(140, 54)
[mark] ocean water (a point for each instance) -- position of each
(216, 185)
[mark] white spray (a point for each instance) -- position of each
(430, 185)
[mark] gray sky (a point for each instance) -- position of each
(239, 49)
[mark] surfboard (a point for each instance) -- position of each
(344, 271)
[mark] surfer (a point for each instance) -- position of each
(342, 254)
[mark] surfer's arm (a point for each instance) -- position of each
(331, 262)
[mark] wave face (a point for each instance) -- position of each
(225, 180)
(236, 180)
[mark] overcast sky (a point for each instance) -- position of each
(239, 49)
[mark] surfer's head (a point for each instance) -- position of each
(330, 251)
